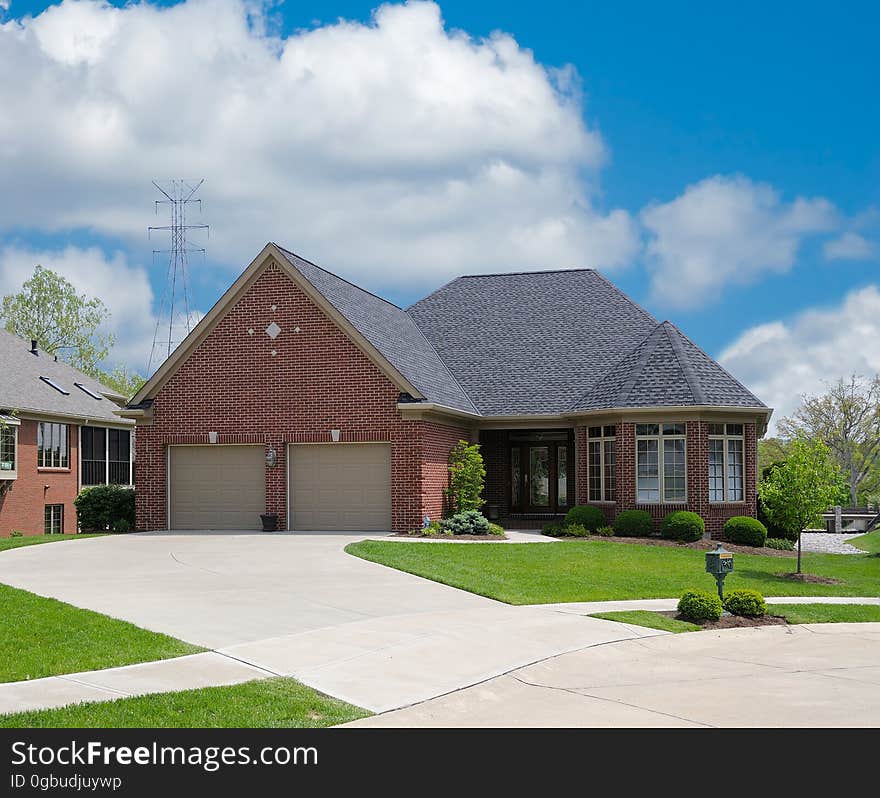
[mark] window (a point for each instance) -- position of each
(661, 463)
(562, 476)
(105, 456)
(601, 459)
(55, 385)
(89, 391)
(53, 519)
(726, 462)
(53, 450)
(8, 441)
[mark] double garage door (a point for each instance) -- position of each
(330, 486)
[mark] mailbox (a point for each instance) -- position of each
(719, 561)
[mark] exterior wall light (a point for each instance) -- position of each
(271, 457)
(334, 435)
(212, 437)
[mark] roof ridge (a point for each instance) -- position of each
(687, 369)
(526, 271)
(338, 277)
(639, 366)
(435, 291)
(628, 298)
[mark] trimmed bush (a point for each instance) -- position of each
(748, 603)
(575, 531)
(497, 530)
(779, 543)
(698, 605)
(605, 531)
(105, 507)
(745, 531)
(470, 522)
(553, 529)
(633, 524)
(682, 525)
(585, 515)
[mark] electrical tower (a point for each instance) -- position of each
(175, 315)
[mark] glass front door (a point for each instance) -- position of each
(539, 475)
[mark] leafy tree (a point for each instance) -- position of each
(770, 452)
(467, 475)
(847, 419)
(796, 493)
(125, 382)
(63, 322)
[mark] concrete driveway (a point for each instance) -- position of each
(297, 605)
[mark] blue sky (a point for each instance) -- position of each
(686, 116)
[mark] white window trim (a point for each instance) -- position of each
(8, 475)
(724, 472)
(601, 441)
(661, 482)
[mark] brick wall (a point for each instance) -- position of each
(22, 507)
(697, 476)
(495, 449)
(316, 381)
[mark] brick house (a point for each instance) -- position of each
(301, 395)
(58, 434)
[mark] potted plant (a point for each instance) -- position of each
(270, 522)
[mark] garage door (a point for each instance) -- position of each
(340, 486)
(217, 487)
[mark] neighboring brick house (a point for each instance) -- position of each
(301, 395)
(58, 433)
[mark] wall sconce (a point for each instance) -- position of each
(212, 437)
(334, 435)
(271, 458)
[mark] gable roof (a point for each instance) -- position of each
(22, 388)
(530, 342)
(391, 331)
(666, 369)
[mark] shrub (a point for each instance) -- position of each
(497, 530)
(605, 531)
(469, 522)
(779, 543)
(698, 605)
(745, 531)
(682, 525)
(431, 530)
(16, 533)
(749, 603)
(585, 515)
(105, 507)
(466, 477)
(553, 529)
(633, 524)
(773, 530)
(575, 531)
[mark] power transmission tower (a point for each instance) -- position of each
(174, 309)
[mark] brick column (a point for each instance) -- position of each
(626, 466)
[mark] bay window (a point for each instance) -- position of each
(726, 462)
(661, 463)
(8, 451)
(601, 456)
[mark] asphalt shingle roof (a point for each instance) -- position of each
(392, 331)
(22, 389)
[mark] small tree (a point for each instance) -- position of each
(467, 475)
(796, 493)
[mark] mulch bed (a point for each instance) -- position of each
(701, 545)
(731, 621)
(449, 537)
(811, 578)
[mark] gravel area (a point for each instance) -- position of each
(829, 543)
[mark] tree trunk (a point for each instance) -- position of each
(799, 553)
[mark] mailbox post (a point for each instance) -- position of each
(719, 563)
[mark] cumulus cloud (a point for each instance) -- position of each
(782, 360)
(726, 230)
(123, 287)
(396, 151)
(849, 246)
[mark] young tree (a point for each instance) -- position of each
(467, 475)
(63, 322)
(847, 419)
(796, 493)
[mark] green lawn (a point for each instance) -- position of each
(653, 620)
(827, 613)
(33, 540)
(44, 637)
(268, 703)
(541, 573)
(869, 543)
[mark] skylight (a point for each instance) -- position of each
(89, 391)
(55, 385)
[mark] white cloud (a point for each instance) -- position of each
(396, 151)
(726, 230)
(849, 246)
(124, 289)
(781, 361)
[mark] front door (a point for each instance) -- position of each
(539, 475)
